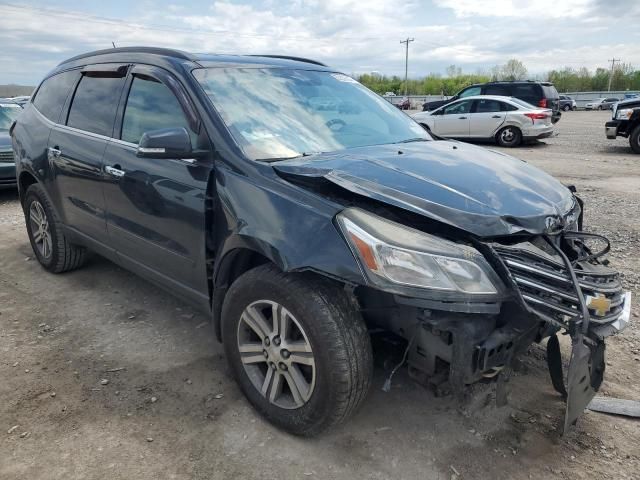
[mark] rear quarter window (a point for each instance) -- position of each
(530, 93)
(94, 104)
(53, 93)
(550, 91)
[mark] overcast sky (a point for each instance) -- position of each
(355, 36)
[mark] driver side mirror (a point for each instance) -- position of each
(165, 143)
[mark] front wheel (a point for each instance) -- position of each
(298, 347)
(634, 139)
(566, 108)
(509, 137)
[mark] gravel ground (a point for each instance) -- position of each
(105, 376)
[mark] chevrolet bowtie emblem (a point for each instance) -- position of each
(599, 303)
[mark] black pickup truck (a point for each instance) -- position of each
(626, 122)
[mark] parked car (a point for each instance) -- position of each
(567, 103)
(389, 94)
(297, 230)
(505, 120)
(625, 122)
(404, 104)
(8, 114)
(630, 95)
(602, 103)
(539, 94)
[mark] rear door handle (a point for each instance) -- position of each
(113, 171)
(53, 152)
(496, 116)
(462, 118)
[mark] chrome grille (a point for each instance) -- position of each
(6, 157)
(547, 290)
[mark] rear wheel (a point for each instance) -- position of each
(634, 139)
(50, 246)
(509, 137)
(298, 347)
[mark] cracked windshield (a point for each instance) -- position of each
(279, 113)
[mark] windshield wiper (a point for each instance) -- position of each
(280, 159)
(416, 139)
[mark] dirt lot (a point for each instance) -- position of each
(105, 376)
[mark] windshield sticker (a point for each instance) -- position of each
(343, 78)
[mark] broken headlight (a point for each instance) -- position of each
(395, 255)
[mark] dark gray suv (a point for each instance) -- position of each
(302, 211)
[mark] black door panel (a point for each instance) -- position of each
(156, 207)
(78, 173)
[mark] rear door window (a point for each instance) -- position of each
(485, 106)
(53, 93)
(497, 90)
(150, 106)
(94, 104)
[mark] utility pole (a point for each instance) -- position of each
(613, 62)
(406, 62)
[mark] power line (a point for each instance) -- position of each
(406, 62)
(613, 62)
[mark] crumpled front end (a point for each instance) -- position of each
(563, 282)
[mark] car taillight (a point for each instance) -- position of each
(536, 116)
(543, 103)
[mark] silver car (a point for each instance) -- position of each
(602, 104)
(506, 120)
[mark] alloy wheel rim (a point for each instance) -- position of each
(40, 229)
(508, 135)
(276, 354)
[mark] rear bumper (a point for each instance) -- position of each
(537, 132)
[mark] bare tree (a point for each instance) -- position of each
(513, 70)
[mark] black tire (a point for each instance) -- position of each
(599, 107)
(566, 108)
(634, 139)
(60, 255)
(336, 333)
(509, 136)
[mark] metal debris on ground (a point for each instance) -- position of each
(616, 406)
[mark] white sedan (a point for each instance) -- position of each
(506, 120)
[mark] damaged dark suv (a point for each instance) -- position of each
(302, 211)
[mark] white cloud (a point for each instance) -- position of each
(534, 9)
(352, 35)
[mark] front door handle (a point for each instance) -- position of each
(462, 118)
(113, 171)
(496, 116)
(53, 152)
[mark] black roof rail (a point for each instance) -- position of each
(168, 52)
(289, 57)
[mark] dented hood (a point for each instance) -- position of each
(483, 192)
